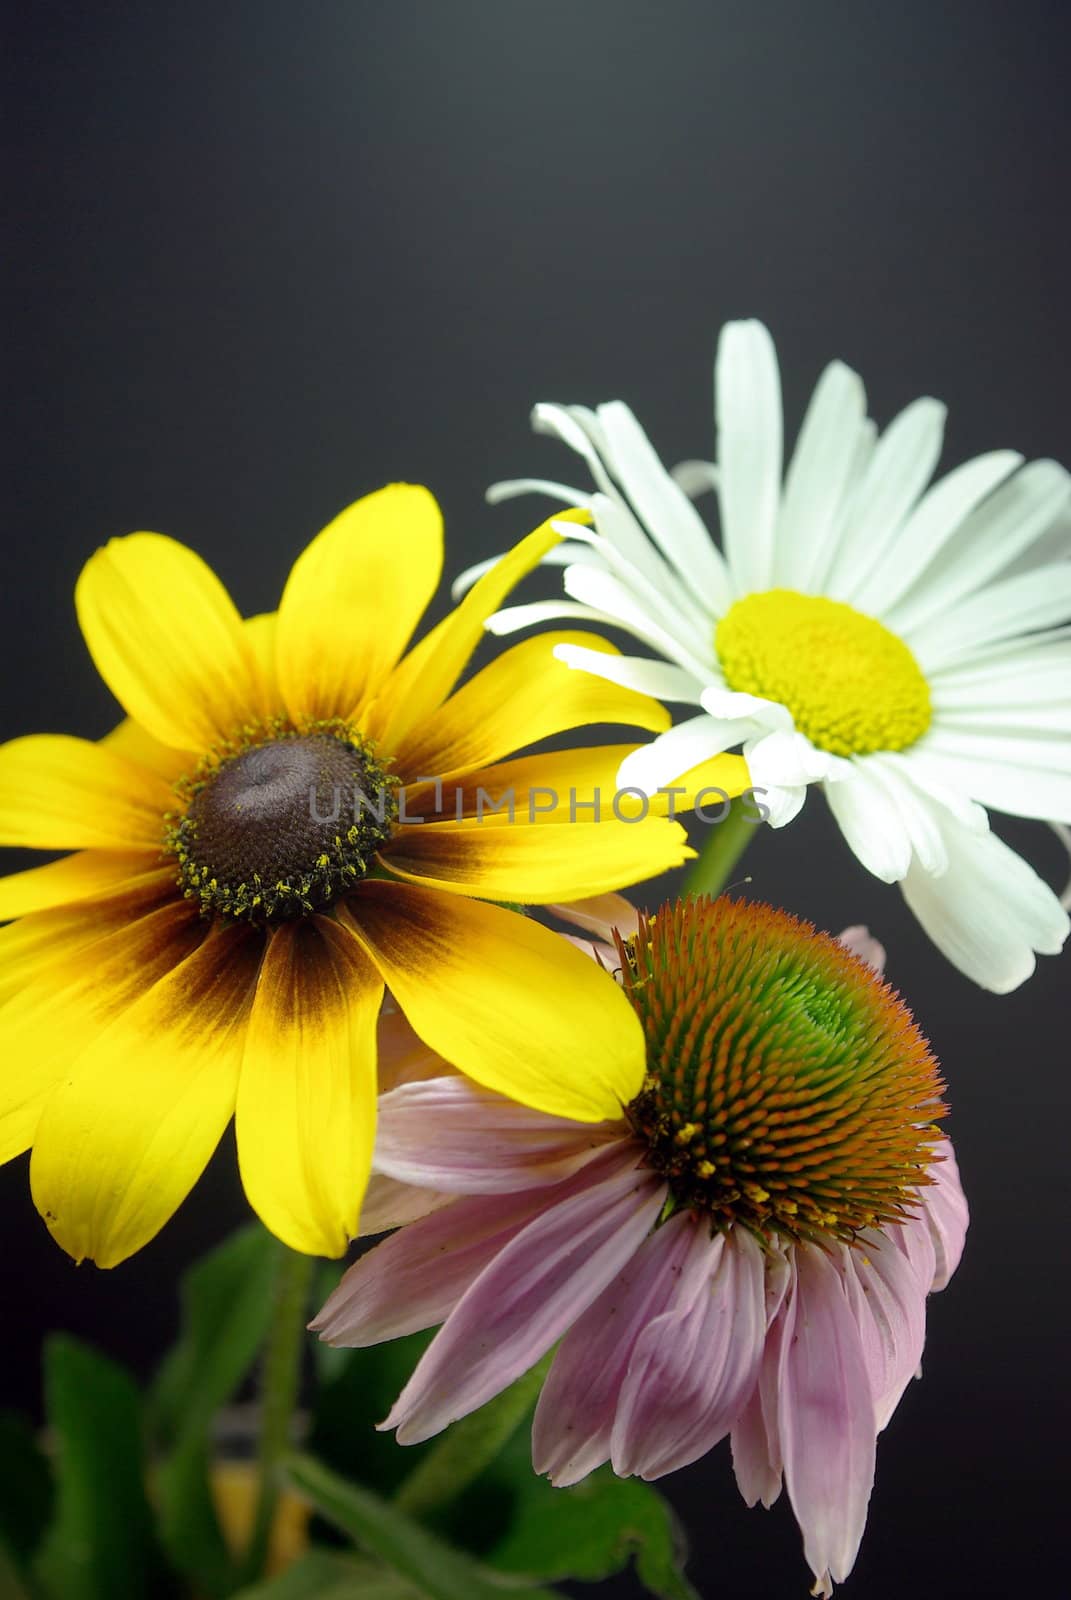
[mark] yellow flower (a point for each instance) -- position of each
(220, 941)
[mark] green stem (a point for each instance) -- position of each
(469, 1446)
(280, 1384)
(722, 848)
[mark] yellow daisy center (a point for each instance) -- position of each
(788, 1088)
(282, 827)
(852, 686)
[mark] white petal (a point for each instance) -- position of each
(656, 678)
(560, 556)
(604, 592)
(996, 773)
(899, 470)
(990, 911)
(624, 550)
(1022, 677)
(512, 618)
(995, 535)
(748, 406)
(663, 507)
(818, 477)
(869, 822)
(938, 515)
(513, 488)
(673, 753)
(695, 477)
(557, 421)
(1019, 605)
(916, 813)
(734, 703)
(851, 506)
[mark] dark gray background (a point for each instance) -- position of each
(266, 257)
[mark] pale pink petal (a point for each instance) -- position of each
(604, 954)
(756, 1454)
(756, 1444)
(861, 942)
(695, 1366)
(825, 1417)
(600, 914)
(532, 1291)
(415, 1278)
(389, 1204)
(453, 1135)
(402, 1057)
(575, 1414)
(946, 1212)
(887, 1296)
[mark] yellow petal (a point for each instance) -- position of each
(430, 671)
(524, 695)
(66, 977)
(307, 1097)
(58, 793)
(129, 739)
(131, 1127)
(89, 875)
(353, 599)
(168, 641)
(514, 1006)
(536, 865)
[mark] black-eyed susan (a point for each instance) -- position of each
(250, 874)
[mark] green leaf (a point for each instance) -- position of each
(226, 1304)
(101, 1542)
(26, 1490)
(589, 1531)
(439, 1571)
(323, 1575)
(349, 1404)
(227, 1301)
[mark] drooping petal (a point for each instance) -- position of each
(989, 912)
(59, 793)
(307, 1097)
(475, 982)
(414, 1279)
(66, 975)
(825, 1417)
(168, 642)
(454, 1136)
(870, 822)
(888, 1301)
(660, 679)
(85, 876)
(574, 1417)
(389, 1204)
(353, 599)
(124, 1137)
(695, 1366)
(523, 696)
(944, 1207)
(748, 407)
(532, 1291)
(756, 1442)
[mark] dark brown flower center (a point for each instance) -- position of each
(284, 827)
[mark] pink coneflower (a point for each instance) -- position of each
(747, 1251)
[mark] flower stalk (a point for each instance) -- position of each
(280, 1387)
(721, 850)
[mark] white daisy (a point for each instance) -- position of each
(906, 647)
